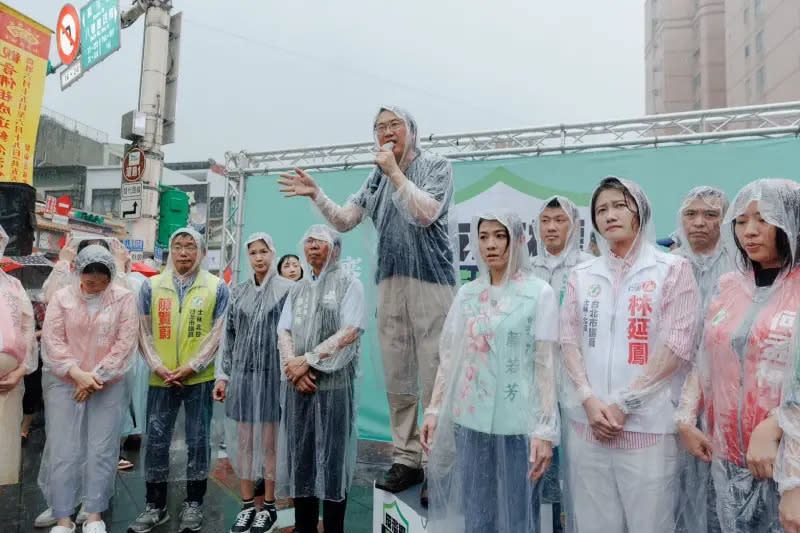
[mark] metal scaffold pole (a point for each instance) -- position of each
(155, 106)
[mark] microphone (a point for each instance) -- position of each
(373, 186)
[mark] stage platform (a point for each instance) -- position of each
(402, 513)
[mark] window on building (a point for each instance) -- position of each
(698, 81)
(60, 192)
(758, 7)
(761, 79)
(105, 201)
(747, 15)
(759, 42)
(747, 50)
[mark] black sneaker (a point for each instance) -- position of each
(265, 522)
(399, 478)
(244, 520)
(423, 495)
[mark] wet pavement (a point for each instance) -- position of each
(21, 503)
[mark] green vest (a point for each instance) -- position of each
(179, 331)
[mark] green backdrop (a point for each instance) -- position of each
(665, 174)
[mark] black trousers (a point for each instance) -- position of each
(306, 515)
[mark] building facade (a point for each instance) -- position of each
(705, 54)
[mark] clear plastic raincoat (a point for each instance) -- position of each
(17, 348)
(416, 269)
(707, 268)
(743, 361)
(63, 273)
(319, 330)
(554, 269)
(181, 323)
(250, 363)
(96, 335)
(139, 374)
(626, 330)
(698, 514)
(495, 394)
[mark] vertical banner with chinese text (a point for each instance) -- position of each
(24, 49)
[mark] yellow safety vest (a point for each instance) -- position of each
(178, 331)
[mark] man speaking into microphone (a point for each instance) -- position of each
(408, 197)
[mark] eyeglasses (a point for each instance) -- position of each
(176, 249)
(395, 125)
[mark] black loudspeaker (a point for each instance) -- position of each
(18, 216)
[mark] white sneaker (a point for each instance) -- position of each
(95, 527)
(63, 529)
(82, 516)
(45, 519)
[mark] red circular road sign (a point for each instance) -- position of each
(63, 205)
(68, 33)
(133, 165)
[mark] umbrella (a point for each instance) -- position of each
(8, 264)
(143, 269)
(31, 270)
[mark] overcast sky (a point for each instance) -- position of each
(268, 75)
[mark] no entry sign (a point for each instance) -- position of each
(68, 33)
(63, 205)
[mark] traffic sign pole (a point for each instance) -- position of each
(86, 38)
(152, 85)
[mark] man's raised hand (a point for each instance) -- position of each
(299, 183)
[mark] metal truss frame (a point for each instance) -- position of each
(691, 127)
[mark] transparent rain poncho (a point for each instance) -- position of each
(707, 267)
(92, 331)
(416, 268)
(250, 363)
(203, 355)
(139, 374)
(626, 332)
(17, 347)
(495, 394)
(702, 208)
(787, 464)
(181, 324)
(319, 340)
(63, 272)
(95, 333)
(742, 363)
(554, 269)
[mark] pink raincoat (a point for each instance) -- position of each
(102, 344)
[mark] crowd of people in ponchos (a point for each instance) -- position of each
(634, 389)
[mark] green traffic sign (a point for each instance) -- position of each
(100, 28)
